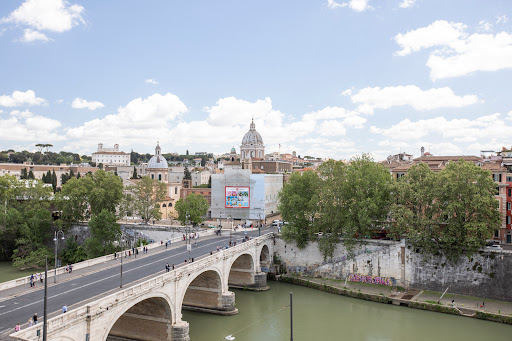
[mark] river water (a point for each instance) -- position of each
(320, 316)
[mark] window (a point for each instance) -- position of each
(508, 205)
(175, 190)
(509, 178)
(509, 192)
(496, 234)
(160, 177)
(153, 176)
(499, 178)
(508, 220)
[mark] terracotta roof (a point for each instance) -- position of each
(448, 158)
(494, 166)
(111, 153)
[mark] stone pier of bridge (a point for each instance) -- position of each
(151, 310)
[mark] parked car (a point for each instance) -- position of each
(277, 223)
(495, 247)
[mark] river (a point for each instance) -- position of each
(320, 316)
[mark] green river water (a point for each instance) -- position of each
(319, 316)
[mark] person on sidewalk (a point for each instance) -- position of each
(30, 323)
(64, 309)
(34, 318)
(18, 327)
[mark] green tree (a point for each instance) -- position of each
(103, 229)
(469, 209)
(100, 165)
(416, 211)
(54, 181)
(195, 206)
(452, 212)
(134, 176)
(73, 201)
(31, 175)
(24, 174)
(148, 194)
(87, 196)
(298, 202)
(186, 174)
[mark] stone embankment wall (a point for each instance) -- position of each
(485, 274)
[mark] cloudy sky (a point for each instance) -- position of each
(328, 78)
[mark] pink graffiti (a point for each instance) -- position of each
(370, 279)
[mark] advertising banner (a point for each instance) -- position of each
(237, 197)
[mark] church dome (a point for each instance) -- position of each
(158, 161)
(252, 137)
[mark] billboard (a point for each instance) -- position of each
(237, 197)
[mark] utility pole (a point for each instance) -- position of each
(56, 239)
(45, 315)
(291, 316)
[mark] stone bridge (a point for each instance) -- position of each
(151, 310)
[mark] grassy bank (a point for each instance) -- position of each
(8, 272)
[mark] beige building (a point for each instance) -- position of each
(110, 156)
(39, 170)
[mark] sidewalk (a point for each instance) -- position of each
(20, 290)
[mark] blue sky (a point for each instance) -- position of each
(325, 78)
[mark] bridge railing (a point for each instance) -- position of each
(86, 263)
(72, 316)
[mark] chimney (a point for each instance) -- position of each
(422, 151)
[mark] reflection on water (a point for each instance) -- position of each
(322, 316)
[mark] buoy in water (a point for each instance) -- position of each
(230, 337)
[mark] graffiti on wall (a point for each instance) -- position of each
(389, 281)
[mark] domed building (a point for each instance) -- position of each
(252, 144)
(158, 168)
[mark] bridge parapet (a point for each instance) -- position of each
(99, 317)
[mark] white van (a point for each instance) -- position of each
(277, 223)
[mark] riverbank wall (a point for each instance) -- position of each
(500, 318)
(485, 274)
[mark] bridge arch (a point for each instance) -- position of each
(148, 317)
(205, 292)
(241, 271)
(265, 257)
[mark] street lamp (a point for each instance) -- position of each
(259, 225)
(230, 229)
(56, 240)
(119, 236)
(189, 246)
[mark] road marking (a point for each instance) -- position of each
(100, 280)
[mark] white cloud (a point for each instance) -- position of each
(385, 98)
(484, 26)
(49, 15)
(30, 129)
(79, 103)
(151, 81)
(145, 120)
(19, 98)
(439, 33)
(453, 134)
(356, 5)
(347, 92)
(407, 3)
(23, 114)
(458, 53)
(501, 19)
(31, 35)
(329, 113)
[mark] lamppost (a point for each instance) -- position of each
(119, 236)
(259, 225)
(230, 229)
(56, 240)
(189, 246)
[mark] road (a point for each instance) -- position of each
(79, 290)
